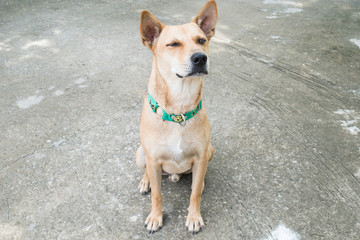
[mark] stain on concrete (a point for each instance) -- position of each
(283, 233)
(351, 120)
(355, 41)
(29, 101)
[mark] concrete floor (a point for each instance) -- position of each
(283, 99)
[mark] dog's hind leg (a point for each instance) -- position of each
(140, 158)
(211, 151)
(144, 184)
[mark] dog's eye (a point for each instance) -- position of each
(174, 44)
(201, 41)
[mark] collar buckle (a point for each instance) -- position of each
(177, 118)
(181, 119)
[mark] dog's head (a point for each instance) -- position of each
(180, 51)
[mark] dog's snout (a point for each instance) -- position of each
(199, 59)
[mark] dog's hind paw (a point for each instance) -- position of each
(144, 186)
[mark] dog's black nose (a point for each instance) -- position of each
(199, 59)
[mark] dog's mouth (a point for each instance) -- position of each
(193, 74)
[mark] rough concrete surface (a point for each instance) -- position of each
(283, 99)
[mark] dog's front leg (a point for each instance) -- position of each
(194, 220)
(155, 219)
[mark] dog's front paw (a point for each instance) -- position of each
(144, 185)
(194, 223)
(154, 222)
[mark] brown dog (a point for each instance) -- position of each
(174, 128)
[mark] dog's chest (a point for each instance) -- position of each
(177, 153)
(178, 148)
(174, 148)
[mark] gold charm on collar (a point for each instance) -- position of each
(178, 118)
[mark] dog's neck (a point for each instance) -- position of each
(177, 95)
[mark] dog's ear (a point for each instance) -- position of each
(207, 18)
(150, 28)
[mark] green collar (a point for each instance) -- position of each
(181, 118)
